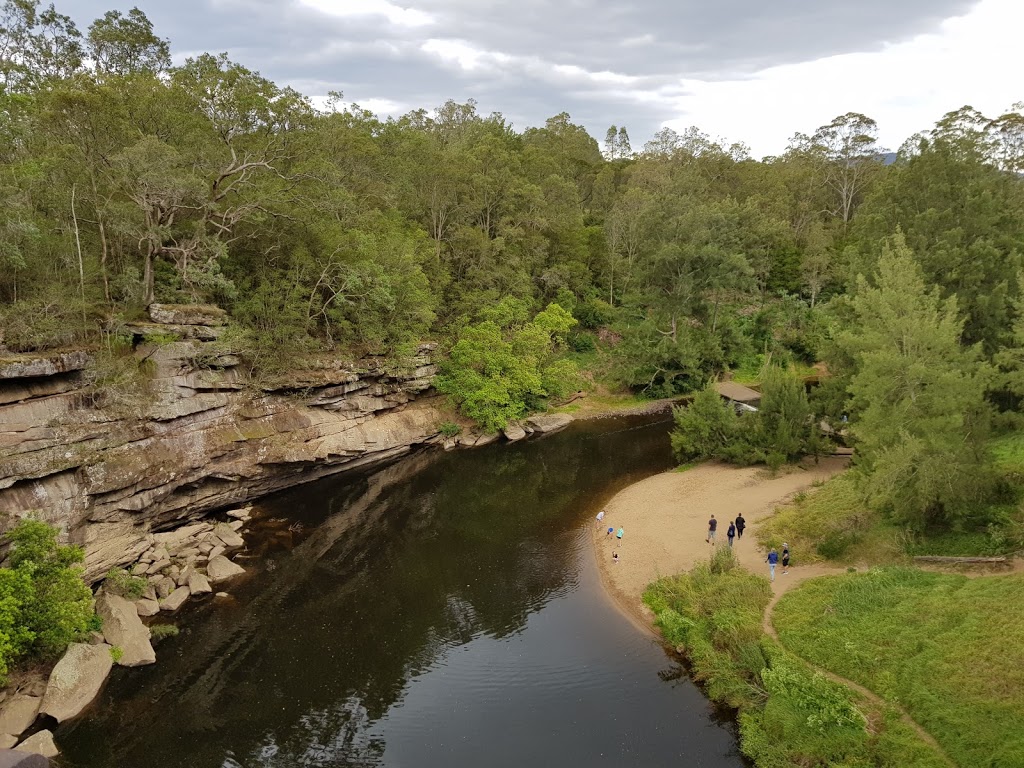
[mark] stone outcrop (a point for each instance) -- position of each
(18, 713)
(200, 436)
(39, 744)
(204, 437)
(549, 422)
(76, 680)
(175, 600)
(123, 629)
(514, 433)
(220, 569)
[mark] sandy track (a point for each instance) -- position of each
(665, 523)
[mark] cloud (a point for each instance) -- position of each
(640, 63)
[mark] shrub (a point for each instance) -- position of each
(160, 631)
(449, 429)
(705, 428)
(44, 604)
(124, 584)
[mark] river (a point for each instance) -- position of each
(445, 610)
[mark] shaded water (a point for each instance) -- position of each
(443, 611)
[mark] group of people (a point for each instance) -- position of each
(735, 531)
(611, 530)
(773, 560)
(736, 528)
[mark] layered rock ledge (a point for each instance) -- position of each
(202, 437)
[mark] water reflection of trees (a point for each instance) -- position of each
(394, 569)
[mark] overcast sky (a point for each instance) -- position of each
(755, 71)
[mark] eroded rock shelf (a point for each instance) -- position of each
(204, 437)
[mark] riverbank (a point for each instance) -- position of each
(664, 520)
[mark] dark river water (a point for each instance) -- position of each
(443, 611)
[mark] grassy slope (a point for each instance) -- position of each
(788, 714)
(949, 649)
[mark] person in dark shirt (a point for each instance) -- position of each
(740, 525)
(712, 527)
(731, 533)
(785, 559)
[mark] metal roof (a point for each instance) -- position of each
(737, 392)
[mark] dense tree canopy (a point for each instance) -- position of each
(126, 180)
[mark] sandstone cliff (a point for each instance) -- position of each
(202, 437)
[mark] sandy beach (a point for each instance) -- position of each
(665, 520)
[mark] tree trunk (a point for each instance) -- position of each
(149, 295)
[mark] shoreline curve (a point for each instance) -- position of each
(664, 519)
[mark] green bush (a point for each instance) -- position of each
(160, 631)
(124, 584)
(449, 429)
(502, 367)
(44, 604)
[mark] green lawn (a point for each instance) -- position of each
(948, 649)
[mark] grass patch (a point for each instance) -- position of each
(1008, 452)
(789, 715)
(833, 523)
(949, 649)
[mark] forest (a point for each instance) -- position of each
(539, 260)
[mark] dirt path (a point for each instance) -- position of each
(874, 698)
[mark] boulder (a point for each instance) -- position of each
(123, 628)
(180, 537)
(216, 552)
(175, 600)
(229, 537)
(198, 584)
(158, 566)
(164, 587)
(549, 422)
(221, 569)
(236, 525)
(187, 314)
(76, 680)
(485, 440)
(147, 607)
(39, 744)
(7, 741)
(514, 433)
(182, 578)
(449, 445)
(240, 514)
(18, 713)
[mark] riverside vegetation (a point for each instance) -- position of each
(125, 180)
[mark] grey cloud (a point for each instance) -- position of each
(657, 41)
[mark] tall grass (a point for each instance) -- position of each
(833, 523)
(789, 715)
(949, 649)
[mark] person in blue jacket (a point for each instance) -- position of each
(773, 560)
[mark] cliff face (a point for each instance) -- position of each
(200, 438)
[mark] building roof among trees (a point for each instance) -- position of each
(737, 392)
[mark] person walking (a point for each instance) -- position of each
(712, 527)
(731, 533)
(618, 534)
(740, 525)
(785, 559)
(773, 559)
